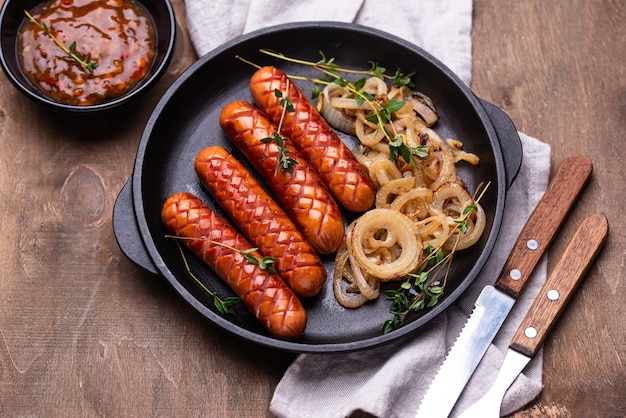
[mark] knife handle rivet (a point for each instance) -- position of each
(532, 244)
(530, 332)
(553, 294)
(515, 274)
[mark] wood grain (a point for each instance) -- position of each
(85, 333)
(553, 67)
(544, 222)
(561, 284)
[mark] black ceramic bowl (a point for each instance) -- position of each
(11, 17)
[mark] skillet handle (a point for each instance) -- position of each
(127, 232)
(508, 137)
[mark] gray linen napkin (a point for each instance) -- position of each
(442, 27)
(389, 381)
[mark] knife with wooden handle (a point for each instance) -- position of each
(495, 302)
(550, 302)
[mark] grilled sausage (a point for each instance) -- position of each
(261, 220)
(307, 202)
(264, 293)
(317, 141)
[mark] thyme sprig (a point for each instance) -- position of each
(425, 288)
(285, 162)
(264, 263)
(334, 71)
(382, 111)
(224, 306)
(397, 148)
(83, 60)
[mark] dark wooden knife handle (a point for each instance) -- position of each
(561, 284)
(536, 236)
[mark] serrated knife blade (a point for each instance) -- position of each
(495, 302)
(550, 302)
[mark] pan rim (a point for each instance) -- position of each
(295, 346)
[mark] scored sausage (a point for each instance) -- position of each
(264, 293)
(299, 190)
(317, 141)
(261, 220)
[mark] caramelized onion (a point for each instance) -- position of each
(475, 228)
(375, 86)
(418, 203)
(414, 203)
(435, 230)
(334, 116)
(382, 171)
(439, 166)
(424, 107)
(452, 198)
(367, 289)
(397, 230)
(459, 154)
(345, 298)
(392, 190)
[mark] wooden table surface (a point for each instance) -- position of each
(84, 332)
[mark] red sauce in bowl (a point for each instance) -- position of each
(117, 35)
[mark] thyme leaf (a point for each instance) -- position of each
(284, 101)
(360, 83)
(285, 162)
(224, 306)
(397, 148)
(84, 61)
(402, 79)
(265, 263)
(377, 70)
(315, 92)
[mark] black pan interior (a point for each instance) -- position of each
(186, 120)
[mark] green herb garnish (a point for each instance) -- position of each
(84, 61)
(285, 162)
(225, 306)
(424, 289)
(264, 263)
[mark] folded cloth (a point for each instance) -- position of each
(441, 27)
(389, 381)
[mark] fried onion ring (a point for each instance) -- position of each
(394, 229)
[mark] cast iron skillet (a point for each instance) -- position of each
(186, 120)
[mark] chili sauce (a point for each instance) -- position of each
(116, 36)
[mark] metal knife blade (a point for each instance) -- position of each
(537, 234)
(550, 302)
